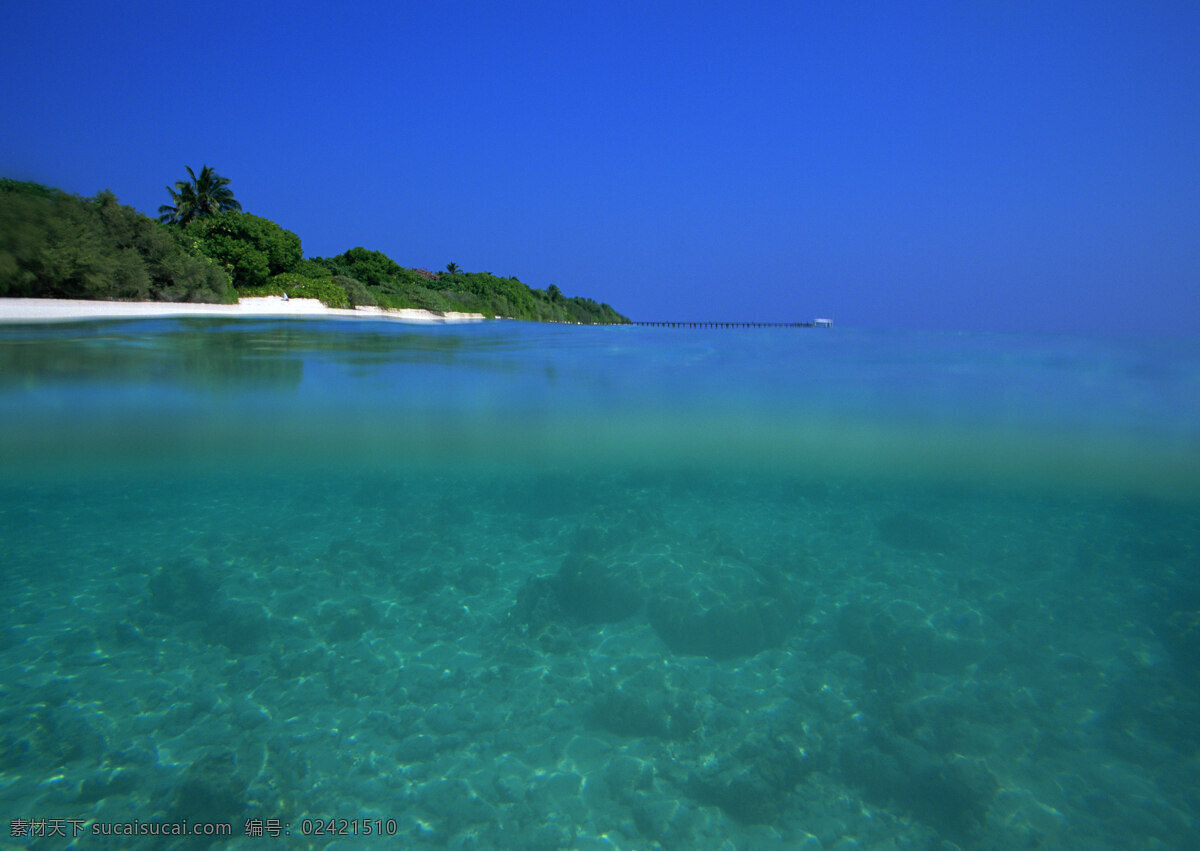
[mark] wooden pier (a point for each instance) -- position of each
(725, 324)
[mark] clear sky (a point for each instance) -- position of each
(969, 165)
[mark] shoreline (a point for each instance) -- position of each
(71, 310)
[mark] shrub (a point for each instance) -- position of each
(55, 245)
(298, 286)
(373, 268)
(357, 295)
(251, 248)
(310, 268)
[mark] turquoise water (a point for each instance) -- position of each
(526, 586)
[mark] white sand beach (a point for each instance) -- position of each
(69, 310)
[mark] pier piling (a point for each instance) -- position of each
(682, 324)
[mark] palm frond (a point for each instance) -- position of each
(205, 194)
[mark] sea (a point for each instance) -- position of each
(301, 583)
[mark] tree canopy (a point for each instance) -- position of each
(250, 248)
(201, 196)
(393, 285)
(56, 245)
(204, 248)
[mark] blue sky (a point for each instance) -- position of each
(992, 166)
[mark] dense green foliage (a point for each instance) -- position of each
(331, 291)
(363, 277)
(201, 196)
(393, 285)
(250, 248)
(56, 245)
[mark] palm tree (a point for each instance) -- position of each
(202, 196)
(452, 268)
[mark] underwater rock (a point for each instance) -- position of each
(418, 748)
(655, 716)
(752, 785)
(1172, 611)
(183, 590)
(212, 790)
(897, 648)
(454, 804)
(584, 590)
(723, 630)
(422, 582)
(348, 621)
(913, 533)
(536, 606)
(105, 782)
(665, 821)
(593, 540)
(625, 776)
(241, 628)
(593, 592)
(557, 640)
(15, 752)
(64, 734)
(950, 795)
(1151, 716)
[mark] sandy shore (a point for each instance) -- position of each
(68, 310)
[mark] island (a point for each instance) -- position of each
(205, 250)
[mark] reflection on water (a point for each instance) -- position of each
(1049, 410)
(120, 354)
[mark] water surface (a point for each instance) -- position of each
(530, 586)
